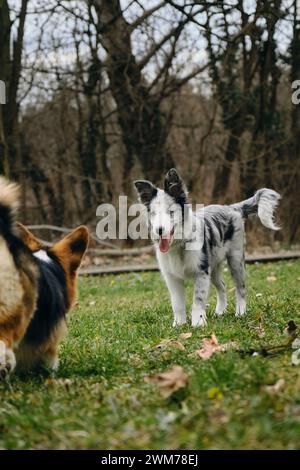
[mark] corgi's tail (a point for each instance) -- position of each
(263, 203)
(9, 204)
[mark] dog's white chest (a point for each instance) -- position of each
(178, 264)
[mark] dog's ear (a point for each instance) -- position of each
(174, 186)
(71, 249)
(146, 191)
(28, 238)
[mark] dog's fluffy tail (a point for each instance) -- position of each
(9, 204)
(263, 203)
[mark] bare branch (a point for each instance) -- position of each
(147, 13)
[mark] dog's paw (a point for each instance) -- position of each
(199, 320)
(240, 314)
(179, 318)
(7, 363)
(219, 313)
(179, 322)
(52, 363)
(4, 370)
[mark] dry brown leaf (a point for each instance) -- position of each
(172, 343)
(185, 336)
(169, 381)
(67, 383)
(219, 416)
(211, 346)
(276, 388)
(260, 331)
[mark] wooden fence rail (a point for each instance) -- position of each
(111, 250)
(250, 259)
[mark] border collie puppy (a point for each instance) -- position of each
(37, 289)
(195, 244)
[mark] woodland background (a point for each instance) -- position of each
(100, 92)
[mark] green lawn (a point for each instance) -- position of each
(111, 347)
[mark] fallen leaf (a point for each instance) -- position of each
(173, 343)
(67, 383)
(169, 381)
(271, 278)
(260, 331)
(185, 336)
(219, 416)
(276, 388)
(211, 346)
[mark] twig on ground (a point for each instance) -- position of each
(268, 351)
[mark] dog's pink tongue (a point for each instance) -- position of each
(164, 244)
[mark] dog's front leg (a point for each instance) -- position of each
(7, 358)
(201, 289)
(177, 293)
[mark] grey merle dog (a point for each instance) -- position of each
(195, 244)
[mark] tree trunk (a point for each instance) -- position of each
(143, 124)
(10, 70)
(294, 186)
(5, 26)
(223, 173)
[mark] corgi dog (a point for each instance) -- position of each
(37, 288)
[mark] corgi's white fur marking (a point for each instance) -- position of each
(42, 255)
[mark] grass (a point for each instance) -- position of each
(106, 403)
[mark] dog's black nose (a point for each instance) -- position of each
(159, 231)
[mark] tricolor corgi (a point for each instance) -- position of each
(37, 288)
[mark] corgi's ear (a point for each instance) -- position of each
(28, 238)
(71, 249)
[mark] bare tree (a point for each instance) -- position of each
(294, 153)
(144, 123)
(11, 66)
(110, 90)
